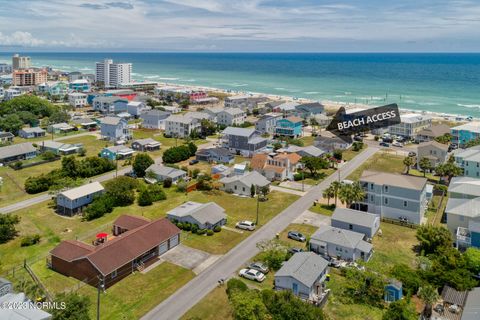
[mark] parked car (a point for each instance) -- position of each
(194, 161)
(245, 225)
(387, 139)
(294, 235)
(335, 263)
(412, 154)
(384, 144)
(251, 274)
(259, 266)
(295, 250)
(358, 138)
(397, 144)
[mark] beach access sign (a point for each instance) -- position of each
(345, 124)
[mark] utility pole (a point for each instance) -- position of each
(99, 287)
(303, 181)
(258, 205)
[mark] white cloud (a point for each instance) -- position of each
(21, 39)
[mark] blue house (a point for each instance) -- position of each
(393, 291)
(289, 127)
(80, 85)
(117, 152)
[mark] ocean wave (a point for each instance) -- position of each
(190, 80)
(428, 103)
(168, 79)
(151, 77)
(409, 101)
(311, 92)
(477, 106)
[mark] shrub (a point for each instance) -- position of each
(235, 284)
(167, 183)
(201, 231)
(145, 198)
(217, 229)
(49, 155)
(209, 232)
(181, 186)
(30, 240)
(18, 165)
(194, 228)
(187, 226)
(99, 207)
(156, 192)
(7, 227)
(180, 226)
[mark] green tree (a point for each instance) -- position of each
(408, 162)
(338, 154)
(145, 198)
(314, 164)
(252, 190)
(121, 189)
(448, 169)
(7, 227)
(429, 296)
(140, 164)
(328, 194)
(247, 305)
(336, 185)
(400, 310)
(425, 165)
(76, 307)
(11, 123)
(472, 260)
(284, 305)
(69, 166)
(433, 239)
(445, 139)
(351, 193)
(273, 253)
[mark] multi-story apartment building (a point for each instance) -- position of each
(29, 77)
(20, 62)
(109, 104)
(112, 74)
(469, 161)
(5, 68)
(181, 126)
(231, 117)
(394, 196)
(411, 124)
(466, 132)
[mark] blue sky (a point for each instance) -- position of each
(241, 25)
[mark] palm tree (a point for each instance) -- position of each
(429, 296)
(351, 193)
(425, 165)
(328, 194)
(336, 185)
(408, 162)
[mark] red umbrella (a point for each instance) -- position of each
(102, 235)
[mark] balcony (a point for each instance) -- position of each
(463, 238)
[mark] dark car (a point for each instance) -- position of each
(412, 154)
(387, 139)
(384, 144)
(259, 266)
(295, 235)
(295, 250)
(358, 138)
(131, 174)
(194, 161)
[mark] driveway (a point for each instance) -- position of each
(313, 219)
(295, 185)
(186, 257)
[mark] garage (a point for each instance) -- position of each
(163, 248)
(174, 241)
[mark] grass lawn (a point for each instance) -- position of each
(131, 298)
(324, 209)
(349, 154)
(306, 229)
(48, 136)
(337, 310)
(213, 306)
(307, 140)
(92, 144)
(431, 177)
(384, 258)
(380, 161)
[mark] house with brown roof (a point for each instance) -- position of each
(430, 133)
(279, 167)
(135, 241)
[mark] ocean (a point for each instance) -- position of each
(443, 83)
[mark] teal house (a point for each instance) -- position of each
(393, 291)
(289, 127)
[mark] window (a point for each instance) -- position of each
(243, 189)
(405, 203)
(235, 187)
(371, 186)
(386, 200)
(386, 188)
(371, 198)
(350, 227)
(114, 274)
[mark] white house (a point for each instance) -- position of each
(162, 172)
(181, 126)
(204, 215)
(154, 119)
(77, 99)
(136, 108)
(241, 185)
(231, 117)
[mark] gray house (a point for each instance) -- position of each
(147, 144)
(243, 141)
(394, 196)
(109, 104)
(339, 243)
(6, 137)
(221, 155)
(60, 128)
(59, 147)
(74, 200)
(267, 123)
(28, 133)
(304, 274)
(136, 108)
(358, 221)
(162, 172)
(330, 142)
(115, 129)
(241, 185)
(204, 215)
(154, 119)
(469, 160)
(435, 152)
(14, 152)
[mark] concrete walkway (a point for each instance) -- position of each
(313, 219)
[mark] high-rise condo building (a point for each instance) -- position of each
(19, 62)
(112, 74)
(29, 77)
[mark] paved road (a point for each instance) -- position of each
(190, 294)
(44, 197)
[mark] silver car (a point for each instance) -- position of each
(245, 225)
(251, 274)
(259, 266)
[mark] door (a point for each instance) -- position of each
(163, 248)
(174, 241)
(295, 288)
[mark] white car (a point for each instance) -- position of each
(245, 225)
(397, 144)
(251, 274)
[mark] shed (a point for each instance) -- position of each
(393, 291)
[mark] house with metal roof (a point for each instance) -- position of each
(204, 215)
(355, 220)
(28, 133)
(62, 127)
(219, 155)
(6, 137)
(115, 129)
(73, 201)
(241, 185)
(15, 152)
(340, 243)
(163, 172)
(469, 160)
(154, 119)
(304, 274)
(394, 196)
(117, 152)
(147, 144)
(231, 116)
(464, 188)
(245, 141)
(59, 147)
(136, 108)
(117, 256)
(435, 152)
